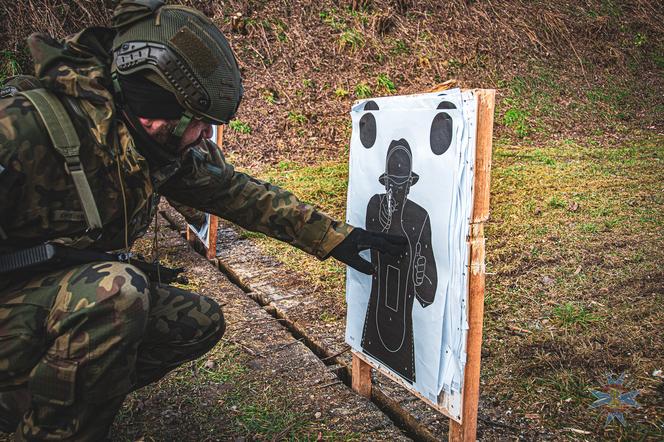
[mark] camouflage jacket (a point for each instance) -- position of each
(38, 199)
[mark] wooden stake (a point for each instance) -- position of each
(467, 430)
(211, 251)
(361, 377)
(485, 108)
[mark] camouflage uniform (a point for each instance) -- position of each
(80, 339)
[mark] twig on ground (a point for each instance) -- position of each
(518, 329)
(336, 354)
(329, 384)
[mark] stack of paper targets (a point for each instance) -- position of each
(411, 174)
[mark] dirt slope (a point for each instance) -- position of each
(563, 69)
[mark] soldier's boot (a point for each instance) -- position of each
(12, 406)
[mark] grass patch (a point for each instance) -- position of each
(351, 39)
(399, 47)
(240, 126)
(362, 90)
(384, 82)
(269, 97)
(569, 315)
(556, 202)
(297, 119)
(9, 65)
(516, 118)
(341, 92)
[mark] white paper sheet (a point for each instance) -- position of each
(411, 173)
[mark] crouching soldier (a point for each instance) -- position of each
(114, 118)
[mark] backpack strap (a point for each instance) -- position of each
(65, 140)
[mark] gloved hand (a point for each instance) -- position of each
(348, 251)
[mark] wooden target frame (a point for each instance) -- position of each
(192, 238)
(465, 428)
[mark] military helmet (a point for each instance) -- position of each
(181, 50)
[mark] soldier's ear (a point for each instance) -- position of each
(442, 127)
(414, 178)
(368, 125)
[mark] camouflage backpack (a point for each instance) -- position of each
(63, 136)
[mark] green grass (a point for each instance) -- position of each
(362, 90)
(556, 202)
(658, 59)
(9, 65)
(517, 119)
(351, 39)
(384, 82)
(569, 314)
(297, 118)
(240, 126)
(399, 47)
(328, 317)
(332, 18)
(341, 92)
(325, 184)
(269, 97)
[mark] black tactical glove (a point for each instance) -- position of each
(348, 251)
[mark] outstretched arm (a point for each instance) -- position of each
(208, 183)
(193, 216)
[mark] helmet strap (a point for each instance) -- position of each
(178, 130)
(116, 87)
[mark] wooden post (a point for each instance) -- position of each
(211, 251)
(467, 430)
(361, 377)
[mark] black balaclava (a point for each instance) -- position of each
(147, 99)
(144, 98)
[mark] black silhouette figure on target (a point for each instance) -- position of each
(388, 326)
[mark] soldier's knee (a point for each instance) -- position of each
(117, 289)
(215, 328)
(210, 327)
(132, 300)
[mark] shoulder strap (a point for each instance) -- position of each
(65, 140)
(18, 83)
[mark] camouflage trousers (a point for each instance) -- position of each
(73, 343)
